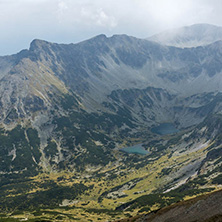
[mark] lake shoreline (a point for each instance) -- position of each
(135, 149)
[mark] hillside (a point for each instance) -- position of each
(202, 208)
(67, 110)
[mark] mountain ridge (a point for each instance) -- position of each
(93, 69)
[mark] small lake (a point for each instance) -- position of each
(164, 129)
(136, 149)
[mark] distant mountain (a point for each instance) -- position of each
(189, 36)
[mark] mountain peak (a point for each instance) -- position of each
(100, 37)
(189, 36)
(37, 43)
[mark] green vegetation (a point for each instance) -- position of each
(217, 180)
(80, 130)
(90, 177)
(161, 200)
(16, 153)
(51, 149)
(49, 198)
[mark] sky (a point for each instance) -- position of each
(72, 21)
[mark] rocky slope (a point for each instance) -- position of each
(92, 70)
(204, 208)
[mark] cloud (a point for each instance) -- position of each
(71, 13)
(62, 8)
(97, 17)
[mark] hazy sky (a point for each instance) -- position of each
(66, 21)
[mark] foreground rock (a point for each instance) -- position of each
(204, 208)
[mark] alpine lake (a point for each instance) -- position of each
(161, 129)
(164, 129)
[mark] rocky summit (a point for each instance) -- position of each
(67, 110)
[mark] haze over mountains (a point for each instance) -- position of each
(189, 36)
(65, 110)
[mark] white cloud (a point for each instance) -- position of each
(97, 17)
(62, 8)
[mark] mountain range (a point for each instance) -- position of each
(67, 109)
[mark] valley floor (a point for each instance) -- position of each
(116, 191)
